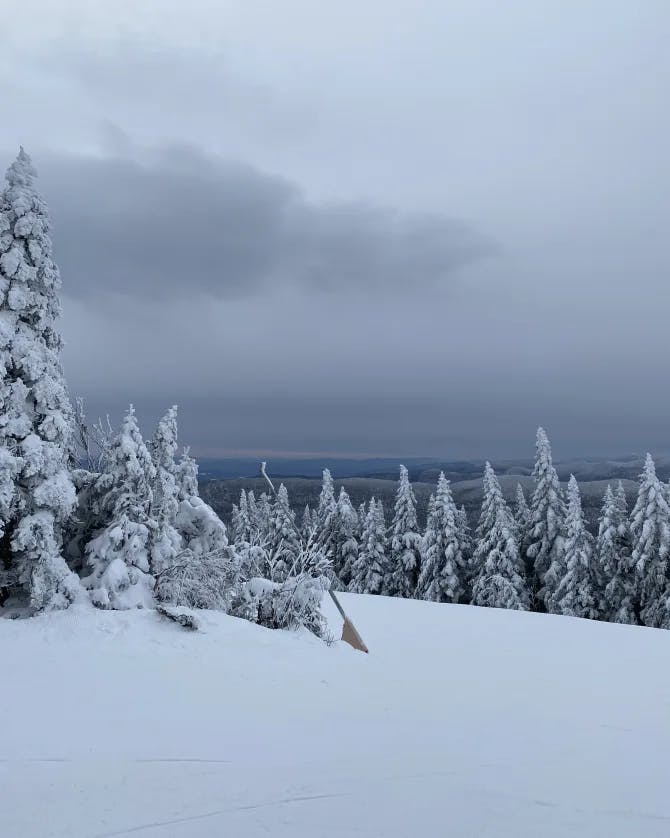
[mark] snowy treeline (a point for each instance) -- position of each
(94, 516)
(89, 515)
(537, 556)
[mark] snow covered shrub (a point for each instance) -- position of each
(293, 603)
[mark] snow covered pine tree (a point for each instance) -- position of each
(370, 567)
(36, 419)
(545, 547)
(119, 556)
(650, 535)
(615, 564)
(577, 593)
(500, 578)
(405, 551)
(442, 562)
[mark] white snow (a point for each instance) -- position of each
(461, 721)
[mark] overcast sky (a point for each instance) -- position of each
(372, 227)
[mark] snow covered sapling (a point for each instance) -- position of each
(577, 593)
(405, 550)
(545, 547)
(443, 562)
(37, 495)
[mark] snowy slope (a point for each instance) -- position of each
(461, 721)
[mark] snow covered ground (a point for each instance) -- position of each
(462, 721)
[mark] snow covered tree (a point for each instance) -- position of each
(545, 547)
(205, 573)
(499, 580)
(577, 593)
(324, 515)
(369, 568)
(327, 503)
(186, 476)
(344, 543)
(405, 547)
(165, 540)
(443, 563)
(263, 516)
(284, 540)
(307, 525)
(119, 556)
(241, 522)
(614, 561)
(650, 537)
(37, 495)
(252, 506)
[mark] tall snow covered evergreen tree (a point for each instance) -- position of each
(614, 560)
(370, 566)
(37, 495)
(650, 537)
(405, 550)
(577, 594)
(499, 580)
(119, 556)
(443, 562)
(545, 548)
(165, 540)
(327, 502)
(344, 542)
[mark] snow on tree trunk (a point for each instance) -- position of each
(650, 537)
(577, 594)
(545, 548)
(37, 495)
(499, 581)
(443, 562)
(405, 551)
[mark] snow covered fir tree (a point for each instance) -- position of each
(100, 518)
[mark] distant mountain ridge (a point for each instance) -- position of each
(426, 469)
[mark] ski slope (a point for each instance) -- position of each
(462, 721)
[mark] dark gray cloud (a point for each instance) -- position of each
(176, 222)
(203, 282)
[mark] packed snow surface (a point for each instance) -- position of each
(461, 721)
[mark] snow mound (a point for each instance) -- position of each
(460, 721)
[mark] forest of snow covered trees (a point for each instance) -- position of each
(100, 517)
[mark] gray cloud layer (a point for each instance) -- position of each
(177, 222)
(195, 280)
